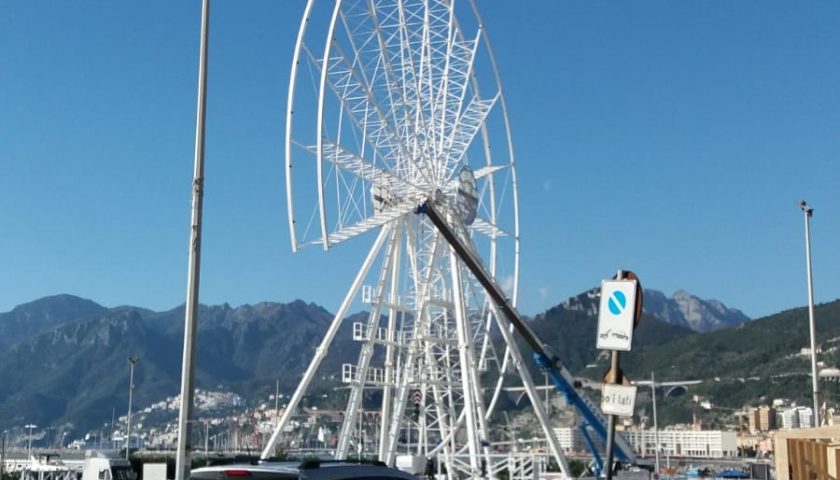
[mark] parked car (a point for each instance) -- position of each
(308, 470)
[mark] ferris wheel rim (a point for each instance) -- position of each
(323, 208)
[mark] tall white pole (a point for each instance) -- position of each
(277, 403)
(184, 447)
(111, 429)
(132, 361)
(655, 423)
(29, 446)
(809, 212)
(3, 453)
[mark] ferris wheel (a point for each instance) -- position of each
(391, 103)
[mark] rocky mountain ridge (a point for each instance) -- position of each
(682, 309)
(67, 362)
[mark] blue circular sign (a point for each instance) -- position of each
(617, 302)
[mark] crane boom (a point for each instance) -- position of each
(544, 355)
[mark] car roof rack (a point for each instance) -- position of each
(315, 463)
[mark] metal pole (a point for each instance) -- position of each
(182, 456)
(3, 455)
(655, 424)
(809, 212)
(611, 418)
(608, 462)
(29, 445)
(132, 361)
(111, 429)
(277, 404)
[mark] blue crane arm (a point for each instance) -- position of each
(564, 383)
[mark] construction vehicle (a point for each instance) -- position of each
(544, 356)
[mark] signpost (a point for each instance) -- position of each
(618, 315)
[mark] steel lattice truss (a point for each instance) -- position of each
(392, 102)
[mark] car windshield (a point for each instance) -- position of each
(123, 473)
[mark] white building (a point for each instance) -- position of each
(570, 438)
(685, 443)
(796, 417)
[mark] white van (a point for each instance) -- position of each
(104, 466)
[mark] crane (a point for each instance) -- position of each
(544, 355)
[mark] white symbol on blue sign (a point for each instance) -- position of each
(615, 314)
(617, 302)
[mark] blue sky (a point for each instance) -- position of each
(670, 138)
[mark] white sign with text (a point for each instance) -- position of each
(616, 314)
(618, 400)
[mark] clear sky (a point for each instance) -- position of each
(670, 138)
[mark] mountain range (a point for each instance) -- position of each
(63, 358)
(682, 309)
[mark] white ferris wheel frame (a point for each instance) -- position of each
(359, 166)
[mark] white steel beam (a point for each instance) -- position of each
(322, 349)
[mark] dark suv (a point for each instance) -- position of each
(308, 470)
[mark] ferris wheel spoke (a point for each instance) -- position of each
(487, 228)
(369, 223)
(470, 122)
(488, 170)
(369, 52)
(364, 122)
(411, 31)
(364, 169)
(458, 70)
(364, 112)
(361, 100)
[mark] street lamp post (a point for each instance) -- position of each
(655, 424)
(3, 453)
(29, 445)
(132, 361)
(808, 212)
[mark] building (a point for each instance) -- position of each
(570, 439)
(796, 417)
(762, 419)
(686, 443)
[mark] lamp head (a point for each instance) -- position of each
(803, 205)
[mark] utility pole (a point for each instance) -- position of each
(3, 454)
(132, 361)
(29, 445)
(183, 453)
(111, 429)
(809, 212)
(277, 404)
(206, 441)
(655, 424)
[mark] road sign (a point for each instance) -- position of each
(616, 314)
(618, 400)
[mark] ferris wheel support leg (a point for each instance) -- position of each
(357, 390)
(322, 349)
(465, 354)
(388, 389)
(536, 402)
(413, 352)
